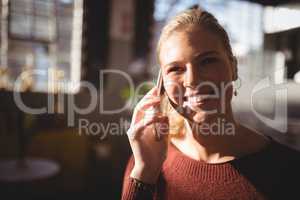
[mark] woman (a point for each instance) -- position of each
(203, 161)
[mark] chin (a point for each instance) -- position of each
(204, 113)
(202, 117)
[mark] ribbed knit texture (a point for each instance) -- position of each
(131, 190)
(272, 173)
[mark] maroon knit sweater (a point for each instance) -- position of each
(272, 173)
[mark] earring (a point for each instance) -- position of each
(235, 92)
(236, 85)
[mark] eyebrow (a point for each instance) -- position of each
(196, 57)
(201, 55)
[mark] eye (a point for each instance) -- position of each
(208, 60)
(175, 68)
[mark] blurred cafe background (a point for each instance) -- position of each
(67, 68)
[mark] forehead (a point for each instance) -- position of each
(184, 44)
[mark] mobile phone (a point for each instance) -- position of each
(160, 92)
(159, 84)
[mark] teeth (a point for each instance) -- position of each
(197, 98)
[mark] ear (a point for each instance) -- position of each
(234, 69)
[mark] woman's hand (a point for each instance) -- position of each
(149, 152)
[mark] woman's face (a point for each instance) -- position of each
(197, 73)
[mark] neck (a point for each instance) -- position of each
(212, 141)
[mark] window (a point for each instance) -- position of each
(32, 19)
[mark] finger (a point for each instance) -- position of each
(147, 109)
(143, 105)
(152, 94)
(161, 129)
(147, 114)
(137, 129)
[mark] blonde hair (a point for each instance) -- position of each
(184, 21)
(176, 121)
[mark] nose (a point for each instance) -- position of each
(191, 76)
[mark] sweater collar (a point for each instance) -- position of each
(179, 163)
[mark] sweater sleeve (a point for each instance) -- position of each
(130, 190)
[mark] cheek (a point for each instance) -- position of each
(228, 93)
(175, 91)
(221, 72)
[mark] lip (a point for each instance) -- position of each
(200, 100)
(202, 93)
(206, 105)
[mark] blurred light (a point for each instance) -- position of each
(239, 49)
(103, 151)
(165, 9)
(245, 28)
(215, 1)
(297, 77)
(281, 19)
(279, 68)
(66, 1)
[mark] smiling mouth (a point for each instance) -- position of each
(199, 98)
